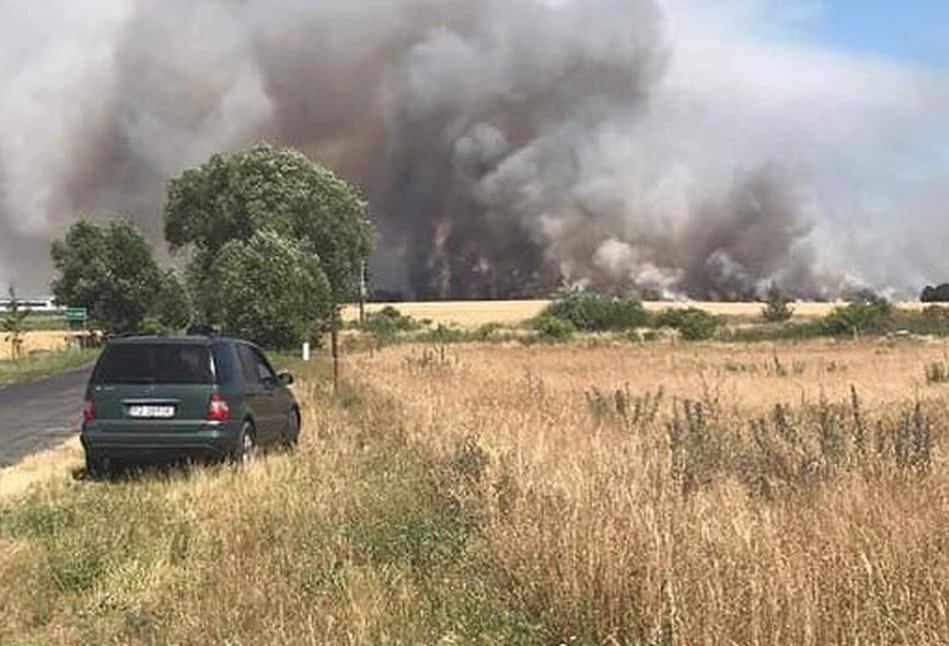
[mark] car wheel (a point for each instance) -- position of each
(246, 449)
(291, 435)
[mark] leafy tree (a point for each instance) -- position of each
(778, 309)
(231, 198)
(14, 324)
(172, 306)
(109, 270)
(939, 294)
(269, 289)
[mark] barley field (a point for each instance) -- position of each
(587, 493)
(36, 341)
(476, 313)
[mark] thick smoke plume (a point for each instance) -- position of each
(505, 146)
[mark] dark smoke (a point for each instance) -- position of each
(484, 133)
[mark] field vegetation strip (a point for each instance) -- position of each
(44, 364)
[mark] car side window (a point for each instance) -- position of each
(225, 363)
(264, 370)
(248, 364)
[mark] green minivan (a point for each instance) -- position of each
(196, 397)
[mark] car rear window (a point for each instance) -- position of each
(155, 364)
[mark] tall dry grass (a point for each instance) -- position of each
(616, 494)
(348, 541)
(701, 513)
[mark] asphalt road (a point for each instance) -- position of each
(37, 415)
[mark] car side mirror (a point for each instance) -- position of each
(285, 379)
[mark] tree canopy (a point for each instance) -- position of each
(269, 289)
(172, 306)
(938, 294)
(232, 197)
(109, 270)
(276, 244)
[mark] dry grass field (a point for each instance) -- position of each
(591, 493)
(46, 354)
(475, 313)
(625, 518)
(39, 341)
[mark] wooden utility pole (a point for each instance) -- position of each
(334, 345)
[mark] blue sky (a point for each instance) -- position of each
(913, 31)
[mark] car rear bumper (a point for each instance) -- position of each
(146, 444)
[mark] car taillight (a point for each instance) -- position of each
(218, 410)
(88, 410)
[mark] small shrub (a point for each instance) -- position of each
(873, 315)
(634, 412)
(937, 373)
(777, 310)
(692, 323)
(551, 328)
(444, 334)
(389, 320)
(695, 447)
(433, 361)
(596, 313)
(911, 442)
(488, 332)
(933, 320)
(387, 324)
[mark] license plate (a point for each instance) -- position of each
(145, 411)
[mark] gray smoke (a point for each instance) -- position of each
(505, 146)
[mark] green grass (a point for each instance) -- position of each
(44, 322)
(41, 365)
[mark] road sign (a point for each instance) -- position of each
(75, 315)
